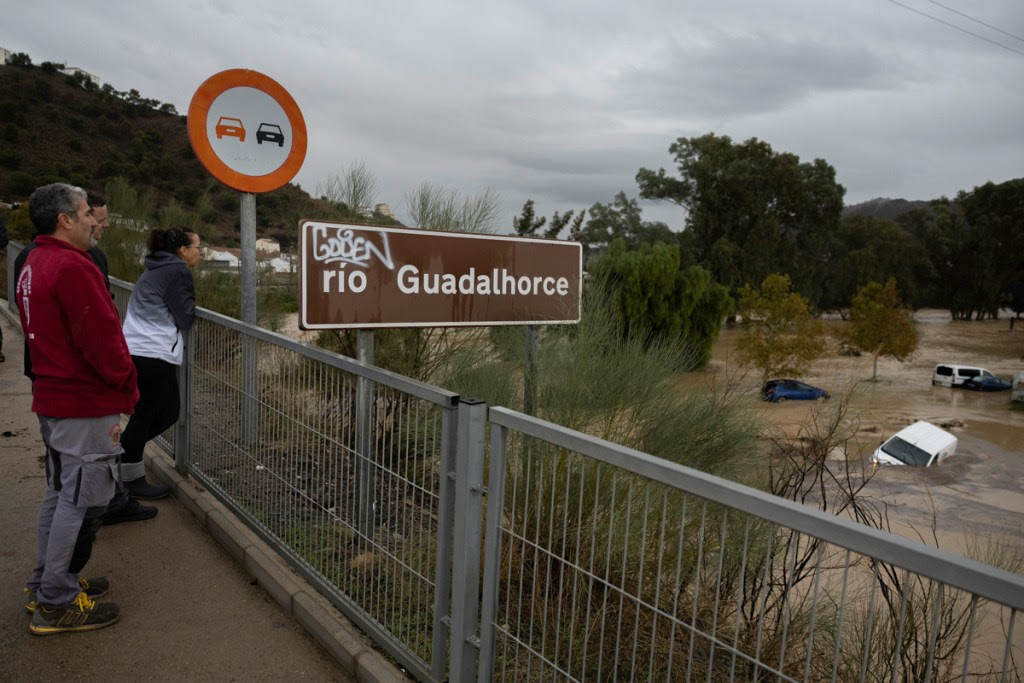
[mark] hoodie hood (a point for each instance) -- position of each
(160, 259)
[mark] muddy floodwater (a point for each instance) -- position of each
(978, 491)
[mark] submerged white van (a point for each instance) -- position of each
(952, 375)
(921, 444)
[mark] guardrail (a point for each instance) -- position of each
(605, 563)
(477, 543)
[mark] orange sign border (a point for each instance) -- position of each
(198, 108)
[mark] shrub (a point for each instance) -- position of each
(23, 184)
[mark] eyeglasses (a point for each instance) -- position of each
(194, 246)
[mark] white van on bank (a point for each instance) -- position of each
(952, 375)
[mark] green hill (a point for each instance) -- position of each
(56, 127)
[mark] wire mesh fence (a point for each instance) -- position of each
(607, 565)
(275, 431)
(601, 563)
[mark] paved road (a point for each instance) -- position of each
(188, 610)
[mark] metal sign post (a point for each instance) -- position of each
(250, 379)
(250, 135)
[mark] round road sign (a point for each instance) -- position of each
(247, 130)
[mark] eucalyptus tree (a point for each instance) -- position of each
(752, 211)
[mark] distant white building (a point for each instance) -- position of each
(5, 55)
(266, 245)
(383, 210)
(222, 258)
(285, 263)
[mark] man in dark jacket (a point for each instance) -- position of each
(85, 380)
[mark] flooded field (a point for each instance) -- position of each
(981, 488)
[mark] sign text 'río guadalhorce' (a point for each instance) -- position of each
(368, 276)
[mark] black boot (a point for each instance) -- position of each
(143, 490)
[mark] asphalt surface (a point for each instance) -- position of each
(201, 598)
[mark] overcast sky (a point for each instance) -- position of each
(563, 101)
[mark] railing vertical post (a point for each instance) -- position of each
(183, 430)
(446, 522)
(469, 493)
(492, 550)
(364, 436)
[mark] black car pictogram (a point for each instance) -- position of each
(270, 132)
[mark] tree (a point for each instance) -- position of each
(433, 207)
(621, 219)
(881, 325)
(576, 228)
(19, 225)
(779, 335)
(655, 300)
(874, 249)
(527, 224)
(355, 188)
(752, 211)
(991, 257)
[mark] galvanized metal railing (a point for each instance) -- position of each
(604, 563)
(352, 496)
(477, 543)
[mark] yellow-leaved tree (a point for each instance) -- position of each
(880, 324)
(780, 336)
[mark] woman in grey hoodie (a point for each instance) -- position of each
(161, 308)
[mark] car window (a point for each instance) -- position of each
(906, 452)
(968, 372)
(944, 371)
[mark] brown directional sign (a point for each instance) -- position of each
(354, 276)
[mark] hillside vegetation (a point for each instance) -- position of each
(55, 127)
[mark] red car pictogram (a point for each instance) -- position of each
(232, 127)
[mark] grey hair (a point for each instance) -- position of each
(49, 201)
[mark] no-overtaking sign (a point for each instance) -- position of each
(247, 130)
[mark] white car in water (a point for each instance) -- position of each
(920, 445)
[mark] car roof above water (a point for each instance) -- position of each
(926, 436)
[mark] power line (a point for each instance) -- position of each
(977, 21)
(958, 28)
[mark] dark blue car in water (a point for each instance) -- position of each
(779, 390)
(986, 384)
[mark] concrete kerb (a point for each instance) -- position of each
(313, 612)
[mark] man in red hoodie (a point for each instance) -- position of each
(85, 379)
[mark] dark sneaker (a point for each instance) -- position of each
(143, 490)
(94, 588)
(132, 511)
(81, 615)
